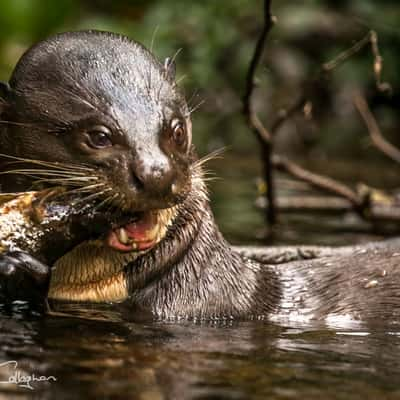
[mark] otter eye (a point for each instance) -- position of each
(178, 132)
(99, 137)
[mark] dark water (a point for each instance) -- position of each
(116, 358)
(108, 353)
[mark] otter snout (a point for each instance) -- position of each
(154, 175)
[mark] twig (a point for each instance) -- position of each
(360, 201)
(321, 204)
(332, 205)
(373, 129)
(253, 121)
(371, 38)
(321, 182)
(285, 114)
(378, 65)
(345, 55)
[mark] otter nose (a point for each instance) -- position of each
(154, 176)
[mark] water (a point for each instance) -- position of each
(104, 355)
(87, 352)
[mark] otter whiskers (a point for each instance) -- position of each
(75, 179)
(54, 165)
(91, 197)
(208, 157)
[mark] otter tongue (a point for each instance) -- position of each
(141, 229)
(138, 235)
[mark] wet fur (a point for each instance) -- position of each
(209, 279)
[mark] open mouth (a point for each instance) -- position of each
(142, 233)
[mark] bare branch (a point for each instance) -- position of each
(374, 131)
(378, 65)
(371, 38)
(286, 114)
(345, 55)
(258, 52)
(333, 205)
(321, 182)
(253, 121)
(361, 201)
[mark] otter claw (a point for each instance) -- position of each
(23, 277)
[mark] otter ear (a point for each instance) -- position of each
(170, 68)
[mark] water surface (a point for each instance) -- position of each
(110, 353)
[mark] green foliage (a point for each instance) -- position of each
(217, 39)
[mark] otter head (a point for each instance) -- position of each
(97, 112)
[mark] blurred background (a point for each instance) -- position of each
(216, 40)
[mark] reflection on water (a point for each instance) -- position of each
(110, 357)
(101, 352)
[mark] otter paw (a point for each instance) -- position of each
(23, 277)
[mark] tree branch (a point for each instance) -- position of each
(252, 119)
(371, 38)
(373, 129)
(321, 182)
(361, 201)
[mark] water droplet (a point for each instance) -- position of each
(371, 284)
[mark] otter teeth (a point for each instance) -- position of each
(123, 236)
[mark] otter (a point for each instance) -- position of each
(103, 105)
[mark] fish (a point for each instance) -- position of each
(46, 224)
